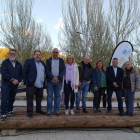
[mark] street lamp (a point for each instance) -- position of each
(86, 42)
(95, 32)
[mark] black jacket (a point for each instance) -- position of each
(81, 69)
(8, 72)
(110, 75)
(61, 69)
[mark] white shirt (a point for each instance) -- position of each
(13, 62)
(40, 75)
(115, 70)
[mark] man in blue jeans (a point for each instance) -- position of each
(114, 76)
(11, 71)
(85, 70)
(55, 69)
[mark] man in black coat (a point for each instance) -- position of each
(114, 80)
(11, 71)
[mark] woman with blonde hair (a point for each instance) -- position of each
(71, 82)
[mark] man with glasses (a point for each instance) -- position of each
(55, 69)
(34, 77)
(11, 71)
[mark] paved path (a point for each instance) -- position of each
(75, 134)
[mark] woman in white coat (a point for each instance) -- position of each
(70, 83)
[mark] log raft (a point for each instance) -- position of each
(104, 119)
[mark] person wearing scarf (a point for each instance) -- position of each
(131, 83)
(71, 82)
(69, 74)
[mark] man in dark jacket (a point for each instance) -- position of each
(85, 70)
(55, 69)
(11, 71)
(114, 79)
(34, 77)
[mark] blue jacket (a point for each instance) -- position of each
(96, 77)
(61, 69)
(8, 72)
(29, 72)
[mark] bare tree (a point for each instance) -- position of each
(99, 31)
(19, 30)
(135, 57)
(123, 19)
(93, 38)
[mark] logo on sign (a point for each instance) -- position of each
(124, 52)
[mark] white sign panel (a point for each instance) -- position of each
(122, 52)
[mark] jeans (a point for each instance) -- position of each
(30, 92)
(68, 91)
(119, 98)
(97, 97)
(129, 100)
(84, 91)
(55, 88)
(8, 98)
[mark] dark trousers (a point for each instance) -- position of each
(119, 98)
(8, 98)
(68, 91)
(97, 97)
(129, 100)
(30, 92)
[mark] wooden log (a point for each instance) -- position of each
(21, 121)
(43, 121)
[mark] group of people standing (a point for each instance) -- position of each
(121, 81)
(71, 78)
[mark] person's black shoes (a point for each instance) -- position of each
(41, 112)
(30, 115)
(109, 111)
(12, 113)
(49, 113)
(99, 111)
(3, 117)
(126, 113)
(77, 110)
(85, 110)
(121, 114)
(131, 114)
(57, 113)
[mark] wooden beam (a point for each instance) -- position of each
(21, 121)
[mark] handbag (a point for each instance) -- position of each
(104, 100)
(91, 87)
(62, 99)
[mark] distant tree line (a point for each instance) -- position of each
(88, 27)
